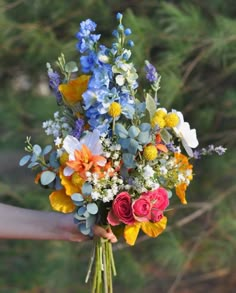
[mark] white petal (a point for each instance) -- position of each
(68, 171)
(91, 140)
(187, 148)
(70, 144)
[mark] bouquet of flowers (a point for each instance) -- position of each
(117, 155)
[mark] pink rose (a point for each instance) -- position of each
(159, 202)
(141, 209)
(121, 211)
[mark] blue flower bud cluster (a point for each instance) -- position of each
(113, 76)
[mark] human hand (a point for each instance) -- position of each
(70, 232)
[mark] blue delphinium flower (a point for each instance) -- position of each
(87, 40)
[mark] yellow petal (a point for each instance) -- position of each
(154, 229)
(131, 233)
(61, 202)
(180, 192)
(70, 188)
(73, 90)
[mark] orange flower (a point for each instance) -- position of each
(86, 161)
(183, 162)
(180, 192)
(73, 90)
(160, 146)
(185, 167)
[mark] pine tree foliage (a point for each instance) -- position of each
(193, 45)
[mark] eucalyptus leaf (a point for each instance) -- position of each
(53, 160)
(145, 127)
(32, 165)
(47, 177)
(24, 160)
(87, 189)
(47, 149)
(92, 208)
(144, 137)
(90, 221)
(83, 229)
(71, 67)
(37, 150)
(133, 131)
(133, 146)
(81, 210)
(77, 199)
(129, 160)
(121, 131)
(151, 105)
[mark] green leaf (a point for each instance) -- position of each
(133, 131)
(24, 160)
(165, 136)
(92, 208)
(71, 67)
(87, 189)
(47, 177)
(121, 131)
(37, 150)
(151, 105)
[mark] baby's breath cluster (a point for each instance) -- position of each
(58, 127)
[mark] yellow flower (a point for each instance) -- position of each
(160, 113)
(114, 109)
(171, 120)
(61, 202)
(150, 152)
(73, 90)
(149, 228)
(72, 184)
(158, 121)
(63, 159)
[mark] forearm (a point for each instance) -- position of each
(19, 223)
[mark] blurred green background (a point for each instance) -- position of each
(193, 45)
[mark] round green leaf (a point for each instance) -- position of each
(47, 177)
(92, 208)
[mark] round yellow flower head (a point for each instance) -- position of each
(171, 120)
(160, 113)
(63, 159)
(77, 180)
(159, 121)
(150, 152)
(114, 109)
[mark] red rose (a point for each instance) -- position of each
(141, 209)
(121, 210)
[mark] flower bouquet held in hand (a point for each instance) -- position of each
(117, 155)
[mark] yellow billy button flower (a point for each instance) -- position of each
(160, 113)
(158, 121)
(150, 153)
(171, 120)
(114, 109)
